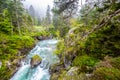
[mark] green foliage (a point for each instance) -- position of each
(13, 17)
(53, 32)
(89, 15)
(101, 41)
(108, 5)
(106, 74)
(3, 74)
(60, 24)
(60, 47)
(84, 61)
(12, 44)
(41, 33)
(104, 42)
(18, 42)
(9, 48)
(5, 25)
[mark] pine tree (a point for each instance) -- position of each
(48, 15)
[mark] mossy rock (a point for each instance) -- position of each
(115, 62)
(104, 73)
(81, 76)
(54, 76)
(109, 62)
(72, 74)
(35, 61)
(73, 71)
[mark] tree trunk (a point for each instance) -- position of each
(17, 17)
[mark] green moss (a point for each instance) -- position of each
(75, 77)
(84, 61)
(36, 57)
(115, 62)
(35, 60)
(60, 47)
(106, 74)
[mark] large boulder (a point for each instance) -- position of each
(35, 61)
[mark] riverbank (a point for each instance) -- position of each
(13, 49)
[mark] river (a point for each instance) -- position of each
(45, 50)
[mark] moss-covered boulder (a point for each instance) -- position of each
(115, 62)
(108, 69)
(104, 73)
(56, 70)
(35, 61)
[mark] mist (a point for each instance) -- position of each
(40, 6)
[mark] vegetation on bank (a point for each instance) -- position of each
(13, 48)
(17, 36)
(91, 45)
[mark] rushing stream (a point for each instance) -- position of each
(45, 50)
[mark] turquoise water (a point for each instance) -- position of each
(45, 50)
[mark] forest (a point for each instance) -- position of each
(87, 31)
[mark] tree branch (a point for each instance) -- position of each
(101, 24)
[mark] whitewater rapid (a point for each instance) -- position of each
(45, 50)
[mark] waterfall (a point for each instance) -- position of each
(45, 50)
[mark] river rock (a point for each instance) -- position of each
(8, 64)
(35, 61)
(16, 62)
(72, 71)
(43, 37)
